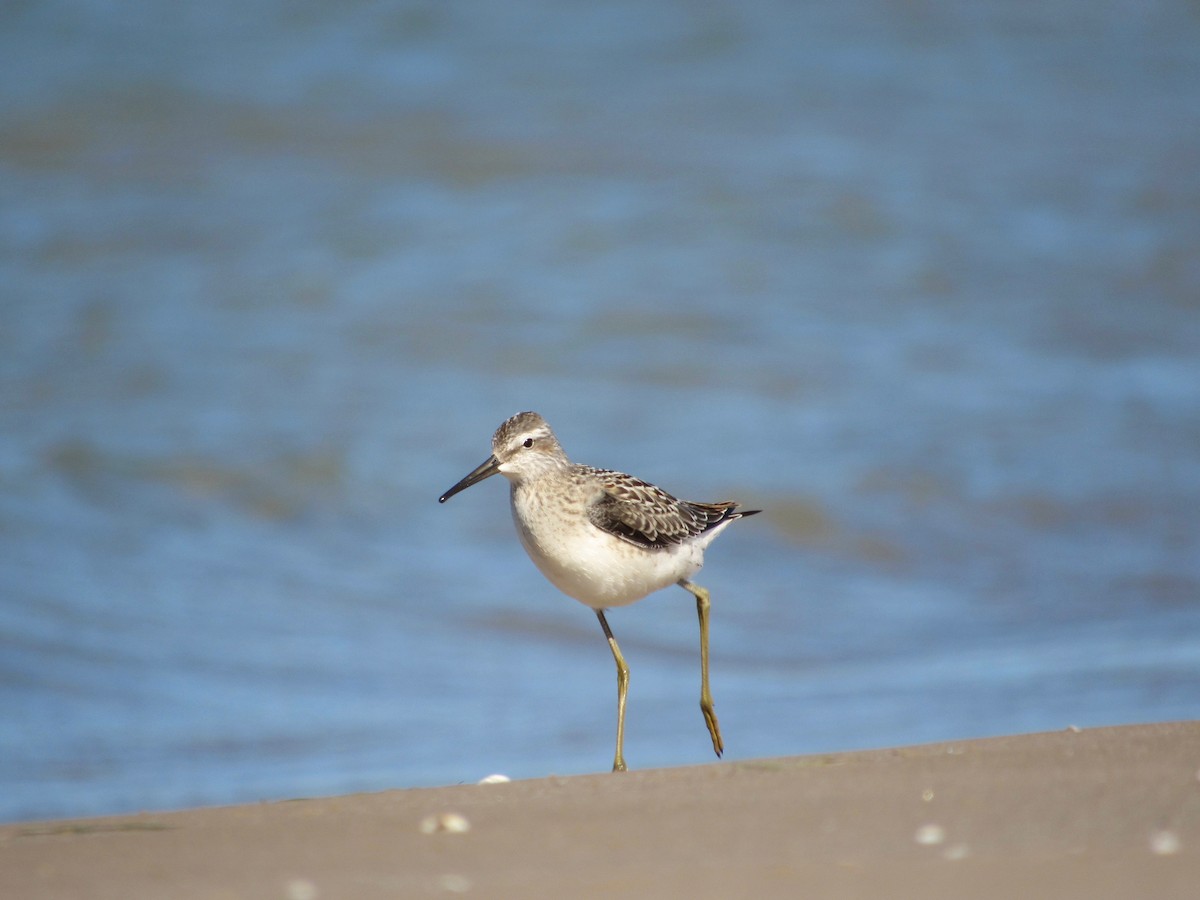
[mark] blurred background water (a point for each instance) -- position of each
(921, 280)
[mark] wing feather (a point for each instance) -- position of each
(646, 515)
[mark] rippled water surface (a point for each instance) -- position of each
(921, 281)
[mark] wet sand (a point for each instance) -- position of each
(1098, 813)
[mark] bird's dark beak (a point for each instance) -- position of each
(488, 467)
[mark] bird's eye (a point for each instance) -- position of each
(528, 443)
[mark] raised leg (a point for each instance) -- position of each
(706, 701)
(622, 690)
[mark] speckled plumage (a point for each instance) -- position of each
(603, 537)
(646, 515)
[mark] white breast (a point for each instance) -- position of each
(591, 565)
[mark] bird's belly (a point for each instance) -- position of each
(602, 571)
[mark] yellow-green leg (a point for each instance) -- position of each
(622, 690)
(706, 701)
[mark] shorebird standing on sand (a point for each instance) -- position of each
(605, 538)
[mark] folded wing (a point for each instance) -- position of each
(646, 515)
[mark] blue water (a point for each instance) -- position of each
(920, 281)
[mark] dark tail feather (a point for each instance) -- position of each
(725, 511)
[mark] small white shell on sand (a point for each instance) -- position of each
(449, 822)
(930, 834)
(1164, 842)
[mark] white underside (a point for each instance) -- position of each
(598, 569)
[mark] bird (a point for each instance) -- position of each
(604, 538)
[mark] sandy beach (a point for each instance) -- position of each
(1107, 812)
